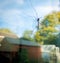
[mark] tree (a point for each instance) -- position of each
(5, 30)
(52, 39)
(58, 40)
(48, 27)
(28, 35)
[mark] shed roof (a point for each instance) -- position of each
(13, 40)
(28, 43)
(21, 42)
(18, 41)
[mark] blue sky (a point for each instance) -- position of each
(19, 15)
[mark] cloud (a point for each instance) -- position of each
(40, 10)
(44, 10)
(20, 1)
(5, 3)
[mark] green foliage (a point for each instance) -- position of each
(52, 39)
(23, 56)
(58, 40)
(36, 61)
(48, 29)
(28, 35)
(52, 19)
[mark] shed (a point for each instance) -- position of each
(11, 44)
(33, 49)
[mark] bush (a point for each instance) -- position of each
(23, 56)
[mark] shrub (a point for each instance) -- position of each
(23, 56)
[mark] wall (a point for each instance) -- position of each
(34, 52)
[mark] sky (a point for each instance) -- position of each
(21, 15)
